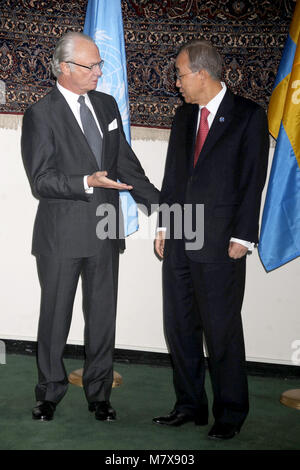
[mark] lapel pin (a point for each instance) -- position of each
(221, 119)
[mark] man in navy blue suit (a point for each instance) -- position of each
(217, 157)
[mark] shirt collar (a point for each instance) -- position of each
(69, 95)
(214, 104)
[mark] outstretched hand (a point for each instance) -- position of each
(99, 180)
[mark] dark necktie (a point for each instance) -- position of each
(202, 133)
(90, 130)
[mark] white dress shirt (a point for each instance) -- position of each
(72, 100)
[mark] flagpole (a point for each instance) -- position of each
(291, 398)
(75, 378)
(109, 37)
(277, 242)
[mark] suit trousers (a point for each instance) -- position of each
(59, 279)
(205, 299)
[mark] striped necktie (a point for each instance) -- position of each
(202, 134)
(90, 130)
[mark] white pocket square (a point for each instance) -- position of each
(113, 125)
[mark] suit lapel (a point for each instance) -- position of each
(191, 136)
(103, 122)
(220, 124)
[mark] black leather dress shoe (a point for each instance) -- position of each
(176, 418)
(44, 410)
(103, 410)
(223, 431)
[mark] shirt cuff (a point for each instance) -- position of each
(248, 245)
(87, 189)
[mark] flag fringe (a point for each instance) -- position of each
(10, 121)
(14, 121)
(149, 133)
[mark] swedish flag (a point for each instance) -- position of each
(280, 231)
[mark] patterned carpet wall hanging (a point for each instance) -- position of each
(250, 35)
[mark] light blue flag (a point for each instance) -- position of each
(103, 23)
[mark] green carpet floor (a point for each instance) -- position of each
(146, 392)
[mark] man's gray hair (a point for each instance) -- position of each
(203, 55)
(64, 50)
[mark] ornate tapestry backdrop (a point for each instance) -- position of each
(249, 34)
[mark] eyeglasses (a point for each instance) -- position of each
(179, 77)
(92, 67)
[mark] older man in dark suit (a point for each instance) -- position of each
(74, 151)
(217, 157)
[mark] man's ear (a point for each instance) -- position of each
(65, 68)
(203, 74)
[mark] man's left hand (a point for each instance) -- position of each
(236, 250)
